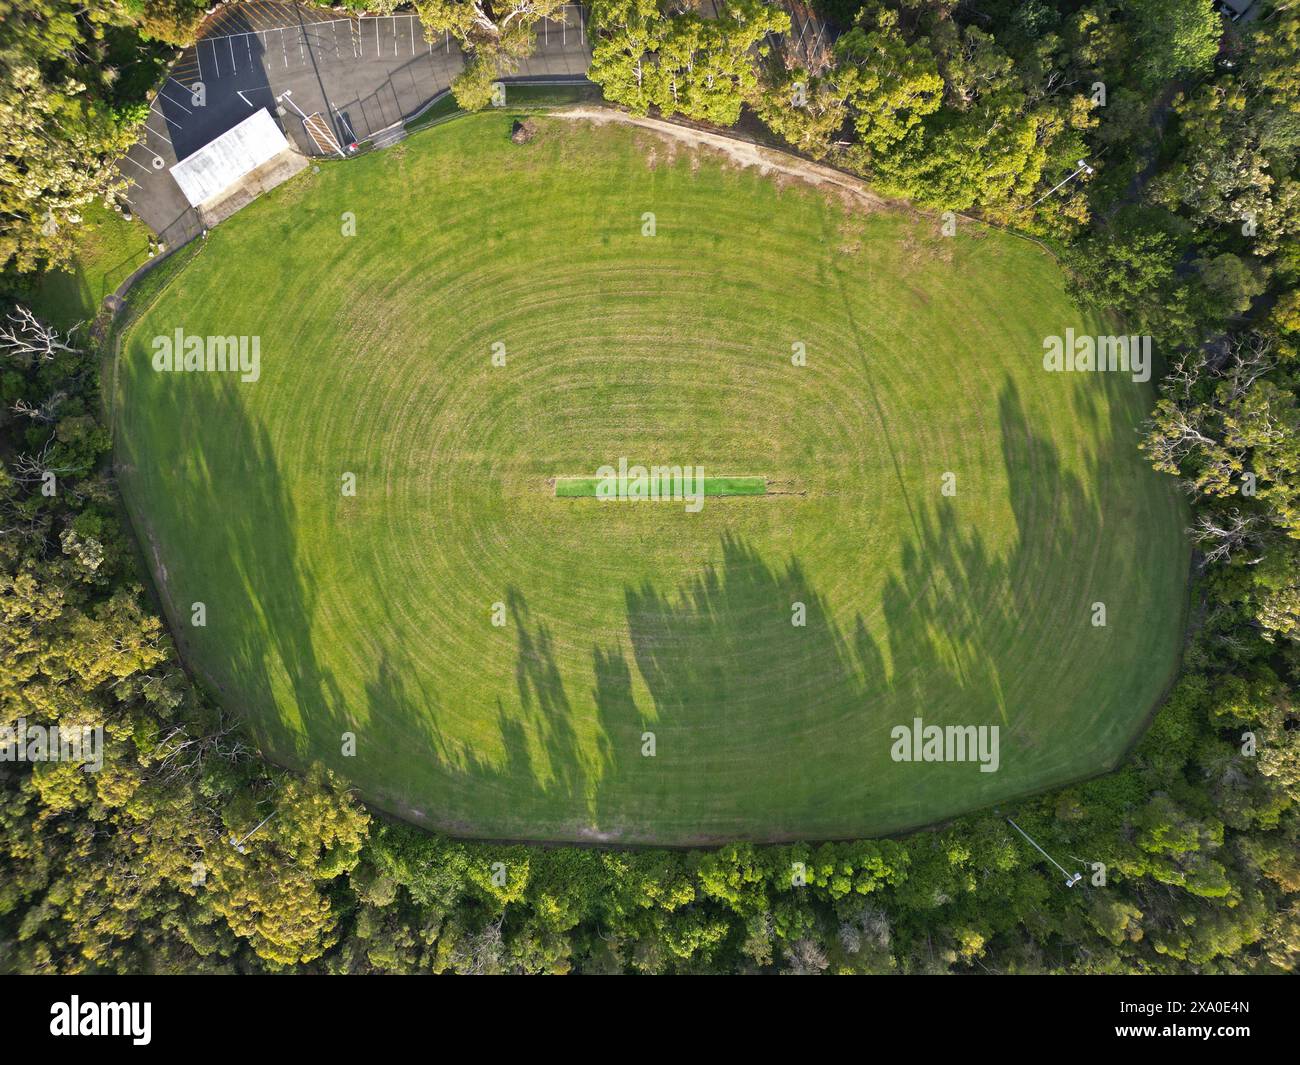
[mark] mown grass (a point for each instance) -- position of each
(518, 95)
(518, 666)
(109, 248)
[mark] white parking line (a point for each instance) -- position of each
(157, 134)
(411, 24)
(214, 57)
(140, 165)
(231, 41)
(198, 55)
(284, 48)
(174, 103)
(158, 161)
(171, 101)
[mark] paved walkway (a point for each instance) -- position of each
(360, 75)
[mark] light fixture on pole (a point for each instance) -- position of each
(238, 844)
(1070, 878)
(1084, 168)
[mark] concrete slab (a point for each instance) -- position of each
(262, 179)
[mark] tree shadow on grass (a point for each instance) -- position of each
(258, 589)
(546, 712)
(768, 730)
(762, 729)
(741, 702)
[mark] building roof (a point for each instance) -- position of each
(222, 162)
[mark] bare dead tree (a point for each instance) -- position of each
(26, 337)
(807, 957)
(1223, 536)
(482, 952)
(1051, 84)
(185, 753)
(30, 469)
(1215, 475)
(43, 413)
(1184, 428)
(1174, 434)
(1249, 359)
(1184, 376)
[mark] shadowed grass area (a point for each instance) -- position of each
(373, 531)
(108, 250)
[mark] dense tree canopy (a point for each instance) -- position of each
(690, 65)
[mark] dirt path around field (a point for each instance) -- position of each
(742, 153)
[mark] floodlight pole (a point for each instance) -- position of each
(238, 844)
(284, 99)
(1083, 168)
(1070, 878)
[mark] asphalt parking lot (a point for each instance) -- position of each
(353, 77)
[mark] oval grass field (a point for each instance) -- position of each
(373, 613)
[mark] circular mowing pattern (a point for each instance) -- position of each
(372, 614)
